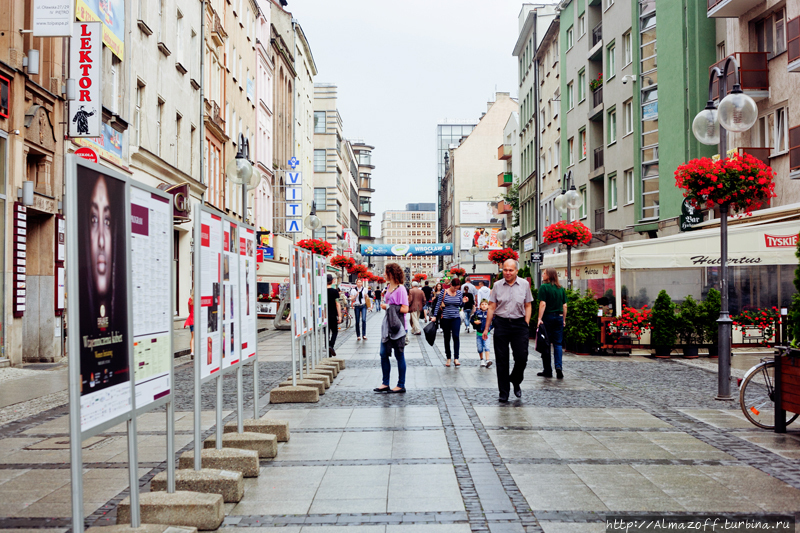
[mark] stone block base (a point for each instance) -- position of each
(293, 395)
(324, 379)
(191, 509)
(313, 383)
(266, 445)
(144, 528)
(338, 360)
(321, 372)
(228, 483)
(244, 461)
(328, 366)
(271, 426)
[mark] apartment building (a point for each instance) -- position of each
(412, 226)
(263, 196)
(363, 153)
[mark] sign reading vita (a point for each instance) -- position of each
(294, 199)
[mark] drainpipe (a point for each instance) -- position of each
(202, 98)
(537, 140)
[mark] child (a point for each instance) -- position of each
(479, 320)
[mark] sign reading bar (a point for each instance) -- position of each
(86, 54)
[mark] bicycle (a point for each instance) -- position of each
(347, 319)
(757, 395)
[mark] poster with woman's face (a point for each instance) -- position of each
(102, 285)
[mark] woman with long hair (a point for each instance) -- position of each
(393, 331)
(553, 314)
(450, 302)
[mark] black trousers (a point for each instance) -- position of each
(333, 326)
(510, 332)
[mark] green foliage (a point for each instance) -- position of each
(793, 324)
(663, 321)
(535, 303)
(688, 326)
(581, 327)
(709, 313)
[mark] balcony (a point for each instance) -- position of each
(596, 113)
(365, 184)
(504, 152)
(214, 115)
(794, 153)
(599, 219)
(596, 51)
(598, 159)
(762, 154)
(730, 8)
(753, 75)
(217, 32)
(504, 208)
(793, 44)
(505, 179)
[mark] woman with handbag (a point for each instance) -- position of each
(447, 308)
(359, 297)
(393, 332)
(553, 315)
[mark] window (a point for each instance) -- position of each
(584, 208)
(178, 128)
(581, 26)
(557, 153)
(762, 134)
(582, 147)
(542, 119)
(569, 38)
(4, 95)
(781, 131)
(137, 114)
(320, 198)
(571, 148)
(320, 233)
(609, 3)
(611, 63)
(612, 192)
(629, 186)
(549, 159)
(542, 165)
(771, 33)
(581, 86)
(319, 160)
(612, 126)
(319, 121)
(556, 102)
(721, 51)
(627, 111)
(364, 229)
(627, 48)
(159, 117)
(570, 96)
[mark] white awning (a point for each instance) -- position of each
(581, 256)
(272, 272)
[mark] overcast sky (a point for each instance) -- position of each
(401, 67)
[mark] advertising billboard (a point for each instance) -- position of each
(483, 238)
(479, 213)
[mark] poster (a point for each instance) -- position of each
(297, 308)
(483, 238)
(478, 213)
(103, 334)
(151, 271)
(107, 145)
(247, 292)
(230, 331)
(308, 288)
(320, 291)
(208, 324)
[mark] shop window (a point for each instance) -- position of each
(4, 95)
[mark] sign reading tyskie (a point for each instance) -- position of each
(85, 112)
(780, 241)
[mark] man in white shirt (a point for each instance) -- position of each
(483, 293)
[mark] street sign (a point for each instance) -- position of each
(537, 257)
(690, 216)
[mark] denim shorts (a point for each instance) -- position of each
(483, 345)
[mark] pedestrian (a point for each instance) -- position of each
(468, 285)
(509, 313)
(393, 331)
(334, 315)
(358, 297)
(479, 321)
(437, 289)
(428, 290)
(377, 299)
(553, 314)
(416, 300)
(483, 292)
(190, 322)
(450, 301)
(468, 305)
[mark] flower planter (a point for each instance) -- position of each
(691, 352)
(713, 350)
(662, 351)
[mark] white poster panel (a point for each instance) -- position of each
(247, 291)
(53, 18)
(483, 238)
(151, 270)
(86, 54)
(306, 294)
(479, 213)
(321, 293)
(209, 323)
(297, 284)
(230, 343)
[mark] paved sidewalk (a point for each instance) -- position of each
(619, 435)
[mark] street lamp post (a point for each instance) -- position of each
(473, 251)
(567, 201)
(736, 112)
(240, 171)
(340, 249)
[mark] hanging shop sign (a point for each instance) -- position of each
(181, 205)
(294, 202)
(53, 18)
(86, 54)
(690, 216)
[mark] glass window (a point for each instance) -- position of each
(629, 186)
(570, 96)
(584, 208)
(582, 147)
(627, 109)
(571, 148)
(611, 64)
(4, 88)
(320, 197)
(319, 160)
(569, 38)
(319, 122)
(581, 86)
(581, 25)
(612, 192)
(628, 50)
(781, 131)
(612, 126)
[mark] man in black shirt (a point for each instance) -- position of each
(334, 314)
(428, 294)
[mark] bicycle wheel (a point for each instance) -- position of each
(757, 396)
(348, 321)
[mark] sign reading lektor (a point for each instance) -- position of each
(85, 112)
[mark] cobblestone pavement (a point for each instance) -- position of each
(618, 436)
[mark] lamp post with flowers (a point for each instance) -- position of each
(740, 182)
(569, 200)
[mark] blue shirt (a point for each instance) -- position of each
(452, 304)
(480, 315)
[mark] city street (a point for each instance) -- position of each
(618, 436)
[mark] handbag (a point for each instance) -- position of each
(369, 302)
(542, 340)
(430, 328)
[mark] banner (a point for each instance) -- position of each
(86, 55)
(478, 213)
(209, 322)
(483, 238)
(405, 250)
(112, 15)
(108, 145)
(320, 291)
(230, 295)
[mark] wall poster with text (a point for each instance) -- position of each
(320, 292)
(296, 306)
(247, 291)
(230, 342)
(209, 323)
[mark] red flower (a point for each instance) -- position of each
(342, 261)
(317, 246)
(569, 233)
(456, 271)
(499, 257)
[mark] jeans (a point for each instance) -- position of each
(483, 345)
(555, 330)
(467, 313)
(361, 319)
(451, 326)
(514, 332)
(398, 345)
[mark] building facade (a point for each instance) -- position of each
(363, 154)
(411, 227)
(263, 195)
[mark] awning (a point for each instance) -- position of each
(581, 256)
(272, 272)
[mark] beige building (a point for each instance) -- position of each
(472, 206)
(363, 153)
(410, 227)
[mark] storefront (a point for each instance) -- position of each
(270, 276)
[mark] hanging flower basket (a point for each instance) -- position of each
(342, 261)
(499, 257)
(357, 270)
(573, 233)
(742, 182)
(456, 271)
(317, 246)
(419, 277)
(380, 279)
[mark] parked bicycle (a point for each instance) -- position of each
(347, 319)
(757, 395)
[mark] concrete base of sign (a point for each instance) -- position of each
(266, 445)
(191, 509)
(144, 528)
(244, 461)
(323, 378)
(279, 428)
(328, 366)
(293, 395)
(319, 385)
(322, 372)
(228, 483)
(338, 360)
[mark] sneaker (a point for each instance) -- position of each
(483, 362)
(488, 363)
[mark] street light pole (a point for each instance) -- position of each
(568, 201)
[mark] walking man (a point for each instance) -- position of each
(510, 307)
(416, 300)
(483, 293)
(334, 315)
(428, 294)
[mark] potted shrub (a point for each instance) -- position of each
(581, 331)
(498, 257)
(688, 327)
(630, 322)
(317, 246)
(709, 314)
(764, 320)
(662, 325)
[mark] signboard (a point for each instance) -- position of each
(483, 238)
(537, 257)
(351, 240)
(229, 309)
(301, 268)
(527, 244)
(108, 145)
(320, 290)
(181, 205)
(112, 15)
(208, 324)
(53, 18)
(404, 250)
(87, 154)
(86, 54)
(20, 258)
(479, 213)
(690, 216)
(599, 271)
(294, 197)
(650, 111)
(247, 292)
(102, 324)
(151, 275)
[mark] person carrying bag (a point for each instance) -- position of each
(430, 329)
